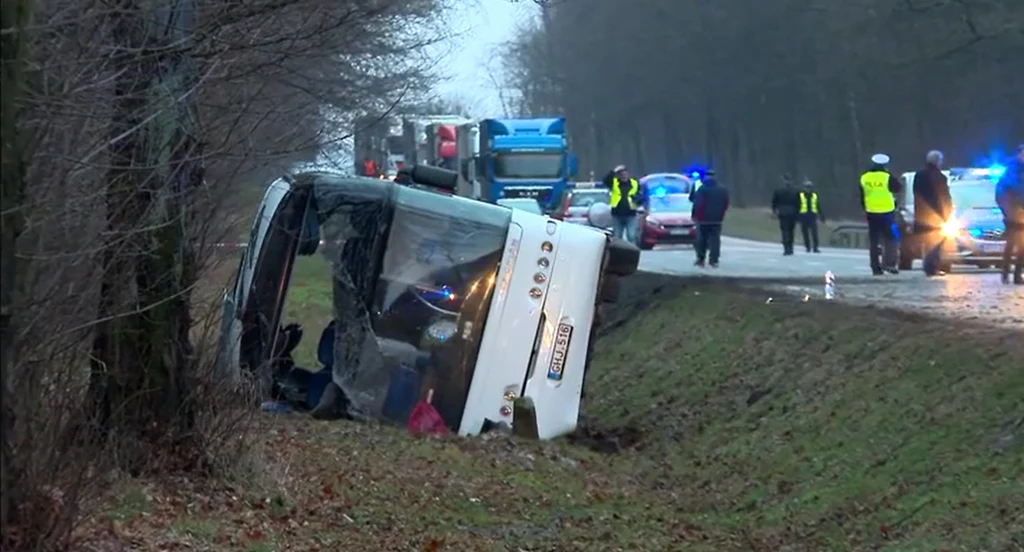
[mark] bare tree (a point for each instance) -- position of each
(131, 131)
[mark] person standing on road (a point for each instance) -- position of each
(810, 214)
(878, 189)
(933, 205)
(786, 207)
(625, 200)
(1010, 198)
(369, 168)
(710, 202)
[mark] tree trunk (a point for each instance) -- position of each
(143, 364)
(14, 19)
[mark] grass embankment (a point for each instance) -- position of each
(756, 223)
(753, 223)
(731, 424)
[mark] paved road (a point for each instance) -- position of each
(966, 293)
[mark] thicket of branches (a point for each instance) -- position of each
(129, 130)
(762, 88)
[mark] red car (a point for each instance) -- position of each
(668, 220)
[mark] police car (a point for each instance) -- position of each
(974, 234)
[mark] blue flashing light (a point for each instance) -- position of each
(997, 171)
(660, 191)
(695, 175)
(975, 232)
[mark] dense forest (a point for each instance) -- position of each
(759, 89)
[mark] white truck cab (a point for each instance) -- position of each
(435, 295)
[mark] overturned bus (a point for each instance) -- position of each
(473, 304)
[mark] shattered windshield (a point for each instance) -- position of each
(428, 309)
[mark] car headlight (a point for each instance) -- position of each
(654, 224)
(951, 228)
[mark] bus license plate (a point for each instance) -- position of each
(563, 335)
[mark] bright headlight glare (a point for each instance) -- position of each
(951, 228)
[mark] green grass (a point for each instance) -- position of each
(870, 420)
(757, 224)
(741, 426)
(751, 224)
(309, 303)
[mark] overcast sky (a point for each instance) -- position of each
(482, 27)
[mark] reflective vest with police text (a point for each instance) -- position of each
(808, 207)
(877, 197)
(616, 193)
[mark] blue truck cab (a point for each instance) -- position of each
(525, 158)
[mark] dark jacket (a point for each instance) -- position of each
(786, 201)
(1010, 195)
(894, 184)
(932, 203)
(710, 202)
(623, 209)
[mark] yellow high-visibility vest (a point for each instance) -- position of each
(877, 197)
(616, 195)
(813, 207)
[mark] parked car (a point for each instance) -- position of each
(974, 235)
(667, 219)
(574, 203)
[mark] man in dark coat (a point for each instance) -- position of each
(710, 203)
(1010, 197)
(933, 206)
(786, 207)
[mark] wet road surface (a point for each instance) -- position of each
(967, 293)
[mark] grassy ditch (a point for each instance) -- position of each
(714, 421)
(757, 224)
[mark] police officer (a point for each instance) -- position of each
(625, 200)
(786, 207)
(877, 194)
(810, 213)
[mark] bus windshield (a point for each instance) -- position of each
(431, 298)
